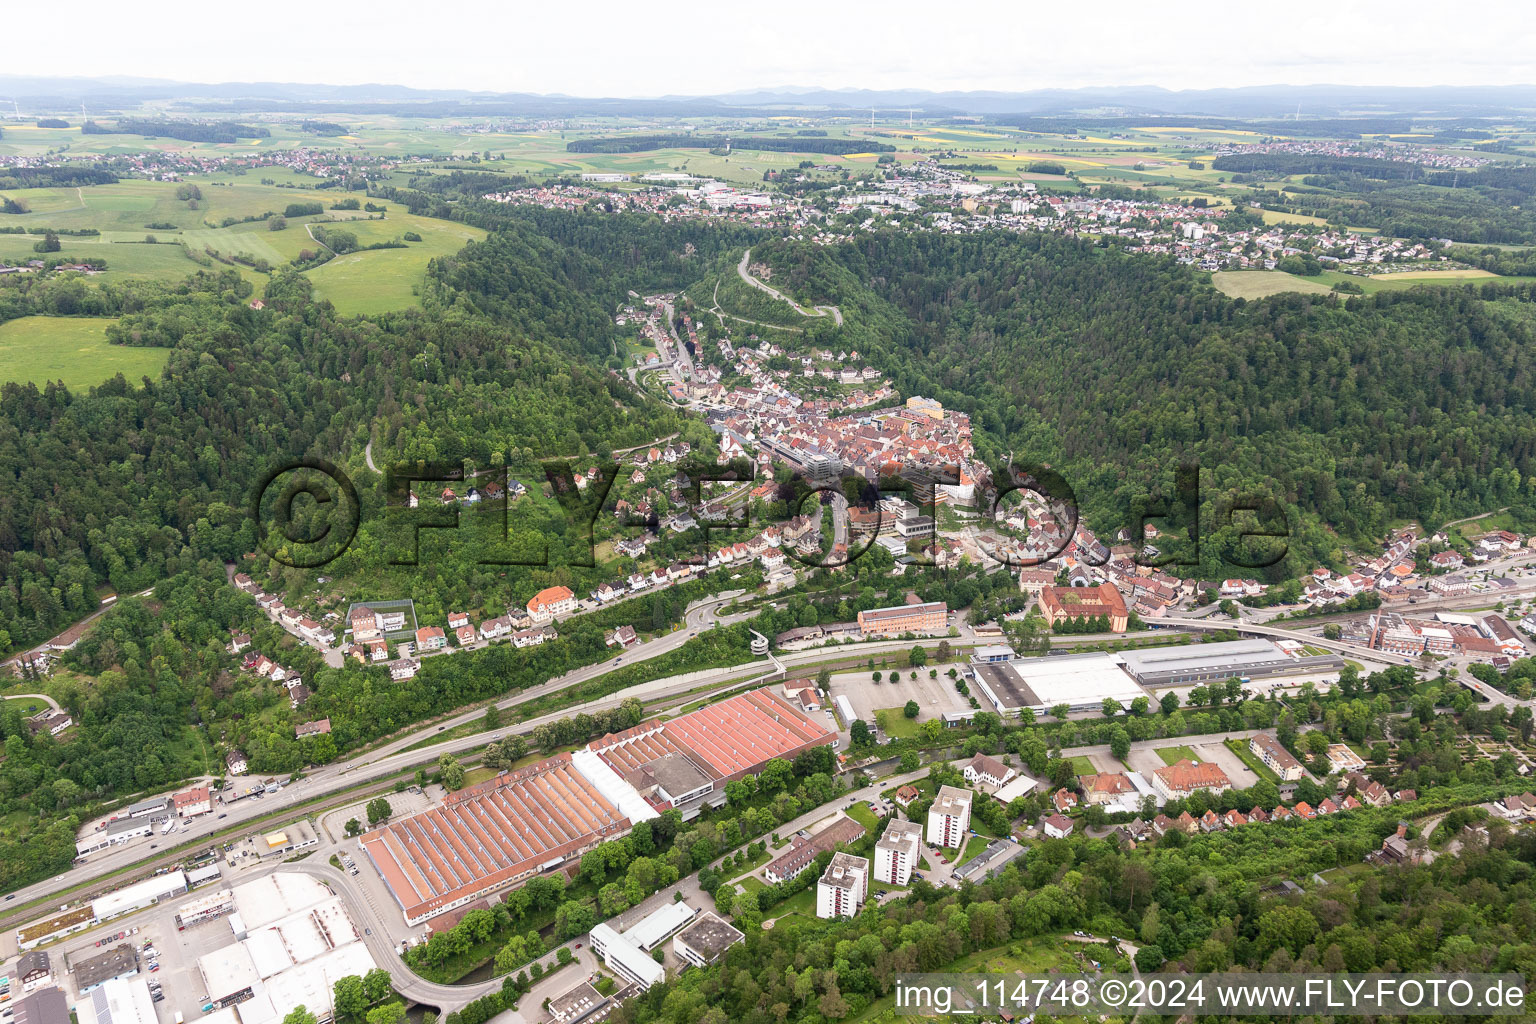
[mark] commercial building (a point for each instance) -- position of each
(56, 926)
(1217, 662)
(624, 958)
(841, 889)
(1058, 603)
(119, 1001)
(192, 802)
(898, 851)
(298, 942)
(206, 908)
(932, 617)
(949, 817)
(1275, 757)
(116, 833)
(45, 1006)
(705, 941)
(1080, 681)
(139, 895)
(576, 1004)
(203, 875)
(273, 897)
(1020, 785)
(155, 807)
(91, 972)
(1180, 780)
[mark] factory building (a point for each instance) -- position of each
(1194, 664)
(508, 829)
(1081, 681)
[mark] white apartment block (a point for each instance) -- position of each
(949, 817)
(841, 889)
(897, 852)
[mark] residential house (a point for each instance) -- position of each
(1058, 826)
(551, 601)
(986, 769)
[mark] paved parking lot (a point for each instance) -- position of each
(1241, 775)
(933, 696)
(175, 951)
(333, 824)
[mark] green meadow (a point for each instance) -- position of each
(187, 231)
(71, 349)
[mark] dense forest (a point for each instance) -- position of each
(1488, 205)
(161, 471)
(188, 131)
(144, 485)
(65, 176)
(1351, 414)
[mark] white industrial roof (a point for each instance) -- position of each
(268, 952)
(131, 897)
(309, 985)
(624, 952)
(1019, 785)
(227, 970)
(1074, 679)
(612, 786)
(206, 873)
(657, 925)
(274, 897)
(224, 1015)
(118, 1001)
(208, 901)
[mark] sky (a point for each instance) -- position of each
(598, 48)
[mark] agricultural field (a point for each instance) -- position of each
(70, 349)
(380, 280)
(1256, 284)
(186, 231)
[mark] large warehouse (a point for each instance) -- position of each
(302, 943)
(492, 835)
(689, 758)
(1081, 681)
(1217, 662)
(510, 828)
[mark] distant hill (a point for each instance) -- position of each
(1137, 100)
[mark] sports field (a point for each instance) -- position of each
(71, 349)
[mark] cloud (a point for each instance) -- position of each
(605, 48)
